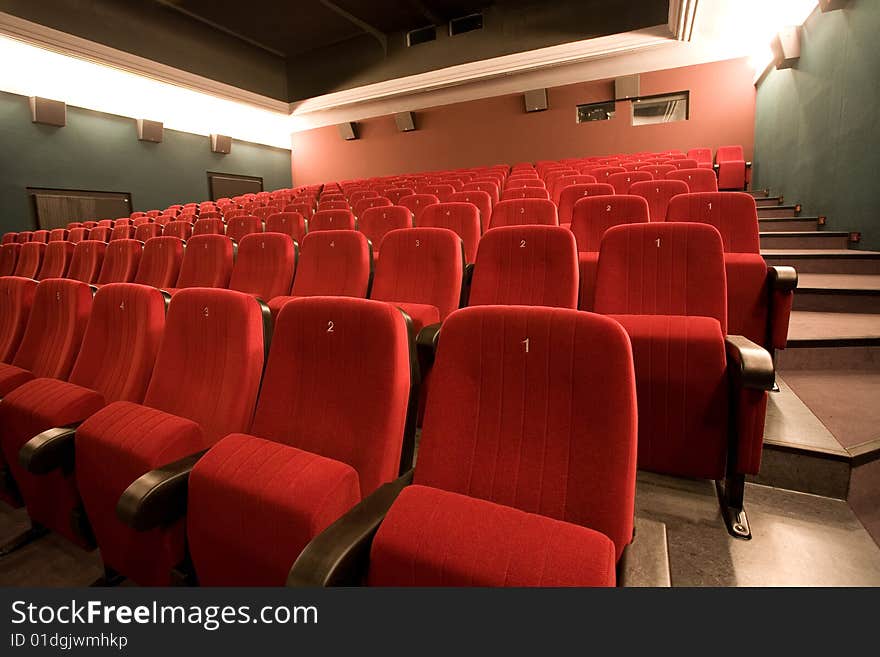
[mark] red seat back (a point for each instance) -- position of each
(16, 300)
(658, 194)
(88, 258)
(333, 263)
(30, 257)
(461, 218)
(160, 262)
(121, 261)
(526, 211)
(238, 227)
(376, 222)
(697, 180)
(207, 262)
(56, 260)
(332, 220)
(594, 215)
(264, 265)
(733, 213)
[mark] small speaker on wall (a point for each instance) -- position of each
(221, 144)
(786, 47)
(50, 112)
(347, 131)
(405, 121)
(150, 130)
(626, 87)
(535, 100)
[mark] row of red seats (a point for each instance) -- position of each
(237, 477)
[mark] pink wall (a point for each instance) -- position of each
(496, 130)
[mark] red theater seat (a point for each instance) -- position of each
(527, 266)
(122, 232)
(289, 223)
(58, 235)
(209, 227)
(530, 481)
(487, 186)
(180, 229)
(194, 398)
(697, 180)
(461, 218)
(87, 260)
(482, 201)
(376, 222)
(40, 236)
(53, 334)
(238, 227)
(56, 260)
(571, 194)
(622, 182)
(703, 156)
(418, 202)
(256, 500)
(759, 298)
(99, 233)
(513, 193)
(9, 258)
(440, 190)
(264, 265)
(602, 173)
(527, 211)
(665, 284)
(420, 271)
(207, 262)
(331, 263)
(16, 300)
(121, 260)
(10, 238)
(733, 170)
(562, 182)
(658, 194)
(78, 234)
(394, 194)
(114, 363)
(30, 257)
(591, 217)
(145, 232)
(369, 202)
(332, 220)
(160, 262)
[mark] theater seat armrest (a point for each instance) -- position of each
(49, 450)
(339, 555)
(158, 497)
(783, 279)
(750, 364)
(426, 346)
(748, 165)
(716, 166)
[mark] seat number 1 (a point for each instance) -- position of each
(526, 344)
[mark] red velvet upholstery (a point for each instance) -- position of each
(289, 223)
(209, 227)
(486, 186)
(733, 213)
(121, 261)
(621, 182)
(160, 262)
(544, 422)
(115, 362)
(30, 257)
(591, 217)
(77, 235)
(331, 263)
(602, 173)
(440, 190)
(340, 204)
(238, 227)
(659, 171)
(194, 398)
(207, 262)
(265, 265)
(573, 193)
(332, 220)
(703, 156)
(683, 163)
(9, 238)
(515, 193)
(40, 236)
(56, 260)
(420, 270)
(527, 211)
(180, 229)
(122, 232)
(147, 231)
(24, 236)
(58, 235)
(369, 202)
(87, 261)
(658, 194)
(330, 417)
(461, 218)
(433, 537)
(526, 265)
(562, 182)
(8, 258)
(99, 233)
(374, 223)
(731, 168)
(416, 203)
(16, 300)
(697, 180)
(394, 194)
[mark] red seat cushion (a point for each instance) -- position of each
(11, 377)
(256, 503)
(114, 447)
(681, 383)
(432, 537)
(30, 409)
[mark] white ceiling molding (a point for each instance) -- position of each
(68, 44)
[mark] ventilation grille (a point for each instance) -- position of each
(464, 24)
(421, 35)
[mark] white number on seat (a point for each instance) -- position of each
(332, 244)
(608, 208)
(522, 244)
(658, 242)
(330, 326)
(526, 343)
(418, 242)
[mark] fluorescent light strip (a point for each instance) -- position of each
(33, 71)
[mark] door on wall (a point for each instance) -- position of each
(227, 185)
(55, 208)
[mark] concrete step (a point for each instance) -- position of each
(759, 193)
(825, 239)
(769, 201)
(811, 329)
(790, 224)
(780, 211)
(838, 293)
(825, 261)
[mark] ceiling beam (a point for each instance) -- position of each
(378, 34)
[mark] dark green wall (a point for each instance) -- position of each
(817, 134)
(101, 152)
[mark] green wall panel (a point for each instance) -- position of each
(817, 132)
(96, 151)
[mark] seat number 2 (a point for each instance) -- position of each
(330, 327)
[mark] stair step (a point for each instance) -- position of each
(825, 261)
(825, 239)
(809, 329)
(769, 201)
(789, 224)
(838, 293)
(759, 193)
(780, 211)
